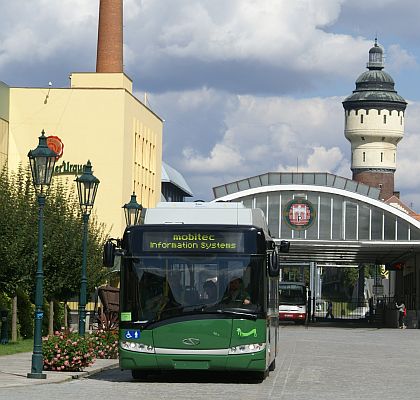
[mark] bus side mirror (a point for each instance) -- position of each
(284, 246)
(109, 254)
(273, 264)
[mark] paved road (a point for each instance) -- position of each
(315, 363)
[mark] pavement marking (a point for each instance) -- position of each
(287, 373)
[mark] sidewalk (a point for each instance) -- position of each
(13, 370)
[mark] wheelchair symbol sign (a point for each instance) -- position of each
(132, 334)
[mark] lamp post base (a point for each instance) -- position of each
(36, 375)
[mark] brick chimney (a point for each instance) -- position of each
(110, 36)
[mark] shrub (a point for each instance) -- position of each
(105, 344)
(25, 315)
(67, 352)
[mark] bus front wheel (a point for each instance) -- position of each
(260, 375)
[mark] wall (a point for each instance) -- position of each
(380, 132)
(95, 123)
(4, 124)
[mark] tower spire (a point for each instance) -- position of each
(110, 36)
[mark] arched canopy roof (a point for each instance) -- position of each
(348, 227)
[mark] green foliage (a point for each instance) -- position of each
(25, 315)
(62, 242)
(58, 316)
(67, 352)
(6, 304)
(17, 219)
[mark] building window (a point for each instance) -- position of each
(384, 119)
(361, 118)
(382, 157)
(364, 156)
(362, 137)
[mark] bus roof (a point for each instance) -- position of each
(203, 213)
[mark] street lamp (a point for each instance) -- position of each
(87, 186)
(132, 211)
(42, 161)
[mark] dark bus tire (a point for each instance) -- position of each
(259, 376)
(139, 374)
(272, 366)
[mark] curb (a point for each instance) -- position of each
(84, 374)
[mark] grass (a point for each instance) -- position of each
(21, 346)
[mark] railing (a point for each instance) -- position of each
(379, 310)
(340, 309)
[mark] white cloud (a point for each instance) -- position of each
(398, 58)
(37, 30)
(260, 134)
(280, 34)
(221, 159)
(219, 71)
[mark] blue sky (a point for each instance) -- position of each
(245, 87)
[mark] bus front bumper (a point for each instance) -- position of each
(289, 316)
(144, 361)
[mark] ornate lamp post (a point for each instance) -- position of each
(87, 186)
(132, 211)
(42, 161)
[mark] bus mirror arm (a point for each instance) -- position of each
(284, 246)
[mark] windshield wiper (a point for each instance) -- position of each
(209, 309)
(205, 309)
(242, 314)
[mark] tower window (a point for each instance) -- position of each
(364, 156)
(361, 118)
(362, 137)
(382, 157)
(384, 119)
(383, 138)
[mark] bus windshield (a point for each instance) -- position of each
(156, 288)
(290, 294)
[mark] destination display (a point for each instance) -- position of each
(194, 241)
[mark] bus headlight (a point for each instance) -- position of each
(139, 347)
(246, 348)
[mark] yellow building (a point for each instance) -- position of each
(98, 119)
(4, 125)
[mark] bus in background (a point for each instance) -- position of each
(293, 302)
(198, 290)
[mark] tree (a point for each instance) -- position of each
(62, 258)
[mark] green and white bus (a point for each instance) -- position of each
(199, 290)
